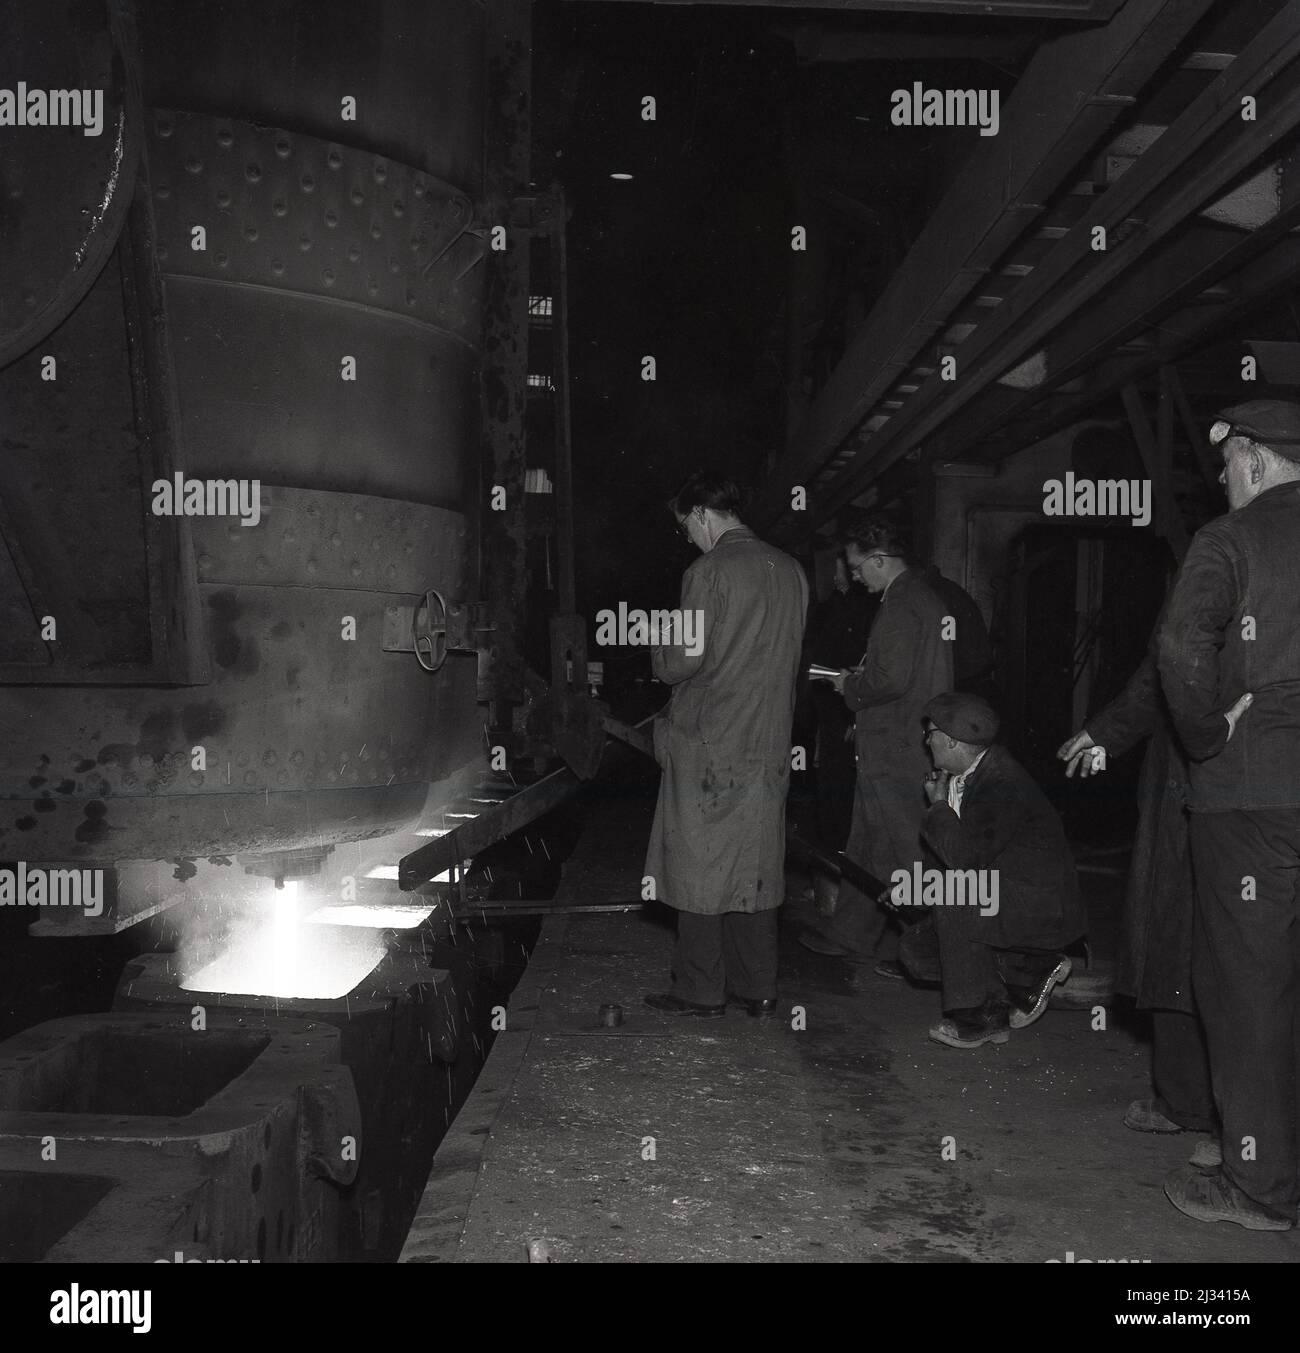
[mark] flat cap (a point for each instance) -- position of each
(1274, 423)
(964, 717)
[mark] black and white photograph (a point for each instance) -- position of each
(650, 633)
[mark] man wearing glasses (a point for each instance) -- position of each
(1232, 630)
(907, 663)
(717, 847)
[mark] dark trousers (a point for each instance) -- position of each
(949, 946)
(734, 953)
(837, 779)
(1245, 969)
(1180, 1070)
(859, 923)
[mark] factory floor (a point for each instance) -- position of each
(853, 1138)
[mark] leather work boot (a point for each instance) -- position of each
(1214, 1197)
(763, 1009)
(1027, 1003)
(987, 1023)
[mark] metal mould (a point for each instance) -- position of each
(408, 1037)
(222, 1142)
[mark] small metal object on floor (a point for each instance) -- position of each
(611, 1016)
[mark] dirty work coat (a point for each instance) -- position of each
(907, 663)
(1155, 959)
(1007, 824)
(718, 840)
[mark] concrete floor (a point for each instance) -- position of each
(771, 1143)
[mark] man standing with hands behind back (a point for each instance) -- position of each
(1231, 630)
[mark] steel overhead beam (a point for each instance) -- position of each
(1198, 259)
(1258, 282)
(816, 43)
(1068, 98)
(1193, 161)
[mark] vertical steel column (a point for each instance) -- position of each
(1156, 460)
(175, 610)
(563, 441)
(503, 541)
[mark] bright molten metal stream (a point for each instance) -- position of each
(273, 952)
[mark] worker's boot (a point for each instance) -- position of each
(988, 1023)
(1027, 1003)
(1212, 1196)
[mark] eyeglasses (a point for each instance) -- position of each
(683, 525)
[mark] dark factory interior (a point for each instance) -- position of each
(386, 389)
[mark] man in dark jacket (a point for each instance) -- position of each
(1001, 896)
(837, 636)
(1232, 630)
(717, 847)
(972, 656)
(908, 661)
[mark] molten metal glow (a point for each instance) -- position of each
(273, 952)
(391, 917)
(389, 871)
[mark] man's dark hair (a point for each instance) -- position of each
(880, 535)
(703, 489)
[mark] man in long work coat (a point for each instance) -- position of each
(1232, 629)
(717, 847)
(908, 661)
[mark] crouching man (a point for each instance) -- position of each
(998, 884)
